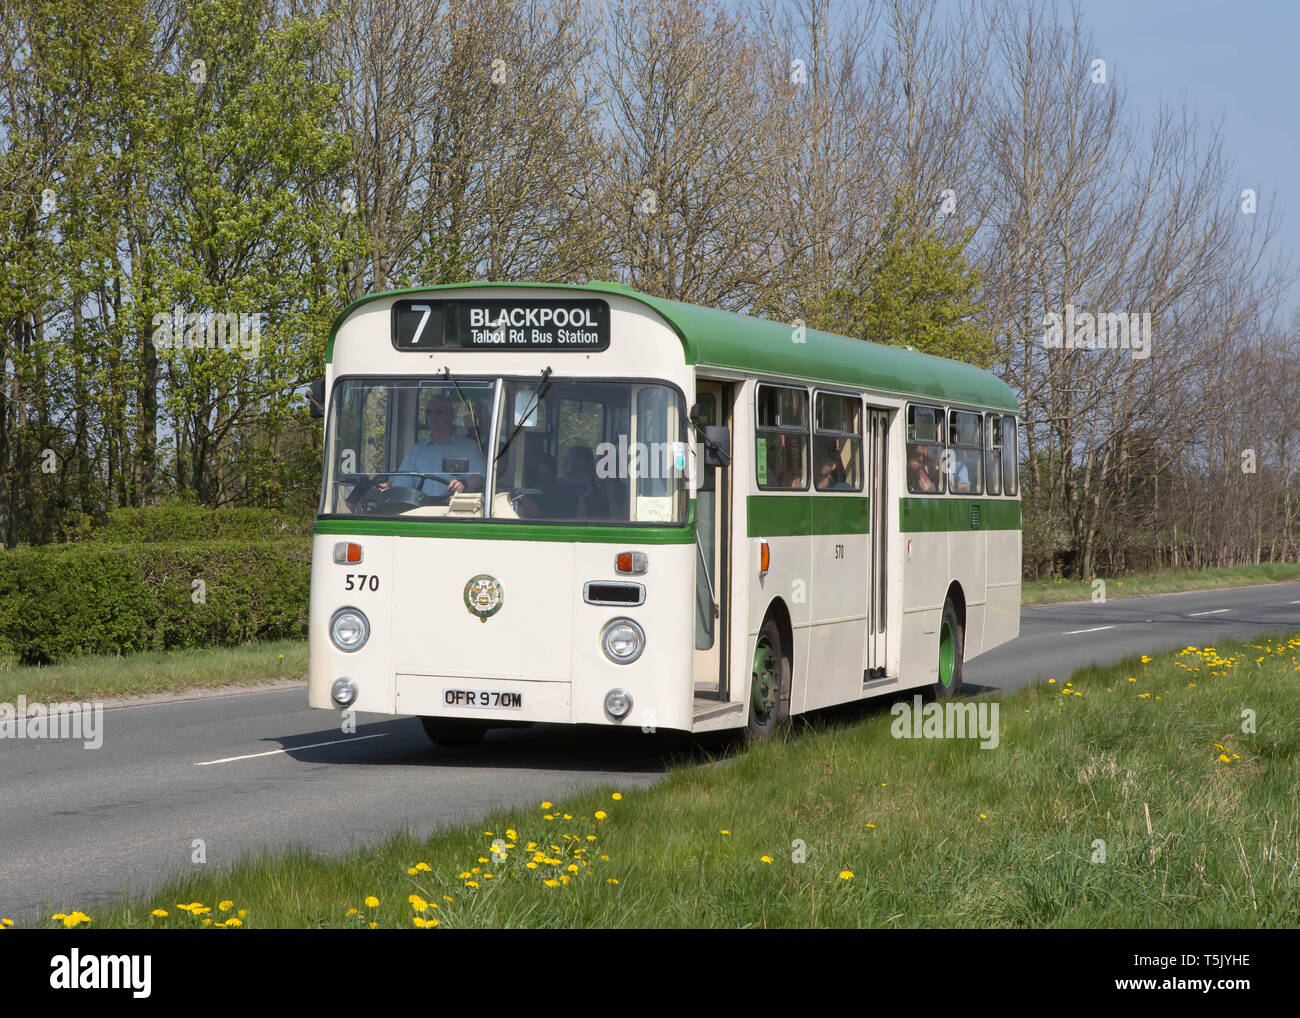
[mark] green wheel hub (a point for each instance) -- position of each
(947, 653)
(766, 683)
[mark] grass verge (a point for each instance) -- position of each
(1169, 581)
(174, 671)
(1128, 796)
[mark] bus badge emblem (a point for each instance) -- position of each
(484, 596)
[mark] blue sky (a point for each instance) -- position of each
(1238, 60)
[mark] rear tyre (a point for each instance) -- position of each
(952, 643)
(452, 731)
(769, 688)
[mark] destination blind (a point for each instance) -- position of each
(494, 324)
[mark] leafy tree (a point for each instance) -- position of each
(915, 289)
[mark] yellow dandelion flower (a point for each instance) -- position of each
(1224, 758)
(591, 837)
(600, 814)
(418, 903)
(374, 926)
(551, 883)
(872, 826)
(471, 883)
(724, 832)
(372, 901)
(765, 858)
(611, 880)
(512, 834)
(423, 867)
(351, 912)
(531, 865)
(547, 805)
(846, 874)
(226, 905)
(616, 796)
(412, 872)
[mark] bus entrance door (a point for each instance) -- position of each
(712, 559)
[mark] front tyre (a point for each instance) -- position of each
(952, 643)
(453, 731)
(769, 689)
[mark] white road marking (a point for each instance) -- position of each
(288, 749)
(1217, 611)
(1075, 632)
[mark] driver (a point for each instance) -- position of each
(442, 453)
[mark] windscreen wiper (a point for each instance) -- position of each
(446, 373)
(538, 394)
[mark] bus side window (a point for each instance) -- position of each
(837, 442)
(781, 439)
(993, 457)
(1010, 459)
(924, 449)
(966, 446)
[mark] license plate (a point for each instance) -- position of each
(482, 698)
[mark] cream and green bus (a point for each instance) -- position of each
(584, 505)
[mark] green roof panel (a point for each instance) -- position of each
(742, 343)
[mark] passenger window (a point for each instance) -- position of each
(924, 449)
(837, 443)
(781, 439)
(1010, 461)
(967, 452)
(993, 455)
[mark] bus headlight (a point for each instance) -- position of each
(622, 640)
(618, 702)
(343, 692)
(349, 629)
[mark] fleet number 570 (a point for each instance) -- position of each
(361, 581)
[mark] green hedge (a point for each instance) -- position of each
(170, 523)
(59, 601)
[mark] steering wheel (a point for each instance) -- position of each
(400, 496)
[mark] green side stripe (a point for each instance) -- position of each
(922, 515)
(794, 515)
(510, 530)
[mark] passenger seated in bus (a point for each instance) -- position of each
(539, 476)
(959, 474)
(592, 494)
(920, 477)
(830, 475)
(441, 453)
